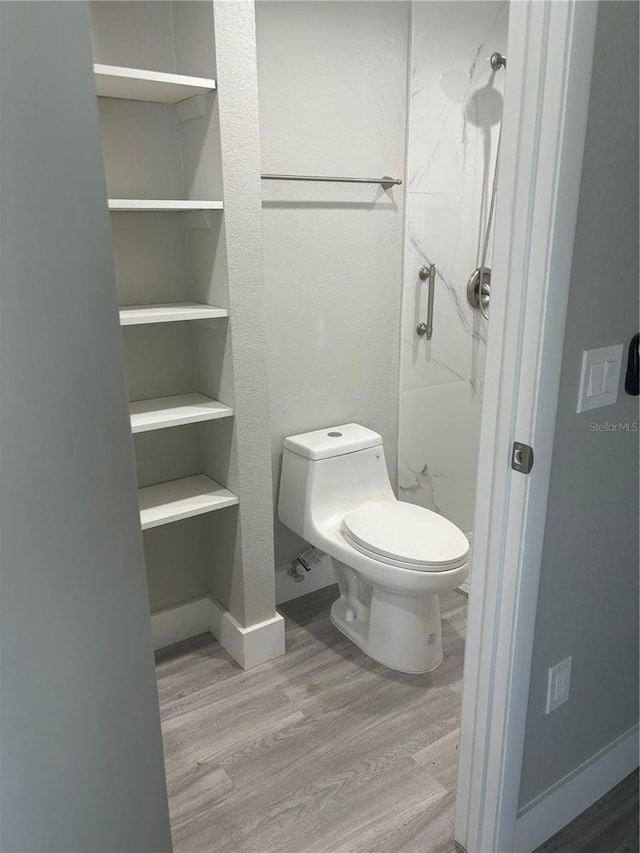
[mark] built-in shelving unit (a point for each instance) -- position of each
(172, 312)
(158, 205)
(135, 84)
(180, 499)
(162, 159)
(176, 148)
(162, 412)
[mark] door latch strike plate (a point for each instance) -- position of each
(522, 457)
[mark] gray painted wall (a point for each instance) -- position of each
(82, 766)
(588, 600)
(333, 89)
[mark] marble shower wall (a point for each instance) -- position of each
(454, 120)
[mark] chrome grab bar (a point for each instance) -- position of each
(428, 274)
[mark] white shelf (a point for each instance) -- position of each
(167, 205)
(172, 312)
(135, 84)
(180, 499)
(164, 412)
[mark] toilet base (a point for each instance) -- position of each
(401, 632)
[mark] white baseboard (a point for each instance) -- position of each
(559, 805)
(319, 577)
(180, 623)
(249, 646)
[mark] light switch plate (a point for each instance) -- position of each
(599, 377)
(558, 682)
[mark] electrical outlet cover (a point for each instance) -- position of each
(558, 683)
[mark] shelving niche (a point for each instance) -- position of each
(172, 157)
(135, 84)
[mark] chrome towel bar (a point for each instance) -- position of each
(385, 181)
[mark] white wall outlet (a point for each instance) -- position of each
(558, 681)
(599, 377)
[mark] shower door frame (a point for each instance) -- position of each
(550, 55)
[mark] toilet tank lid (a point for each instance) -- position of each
(332, 441)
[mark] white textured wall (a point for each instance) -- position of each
(456, 108)
(588, 599)
(332, 86)
(79, 724)
(250, 592)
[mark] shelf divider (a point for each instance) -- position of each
(179, 499)
(137, 84)
(171, 312)
(163, 412)
(160, 205)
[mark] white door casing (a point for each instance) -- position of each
(545, 115)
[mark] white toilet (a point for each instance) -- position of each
(392, 558)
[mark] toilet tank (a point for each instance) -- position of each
(329, 472)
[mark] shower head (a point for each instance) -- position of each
(497, 61)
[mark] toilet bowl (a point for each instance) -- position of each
(392, 559)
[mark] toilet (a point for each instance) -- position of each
(392, 559)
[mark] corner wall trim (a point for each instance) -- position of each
(559, 805)
(249, 646)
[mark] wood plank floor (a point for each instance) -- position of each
(319, 751)
(609, 826)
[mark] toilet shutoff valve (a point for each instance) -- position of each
(303, 564)
(309, 559)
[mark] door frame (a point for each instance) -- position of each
(548, 79)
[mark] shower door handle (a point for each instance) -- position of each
(428, 274)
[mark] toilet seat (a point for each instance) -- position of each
(407, 536)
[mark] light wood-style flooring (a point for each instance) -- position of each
(325, 751)
(319, 751)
